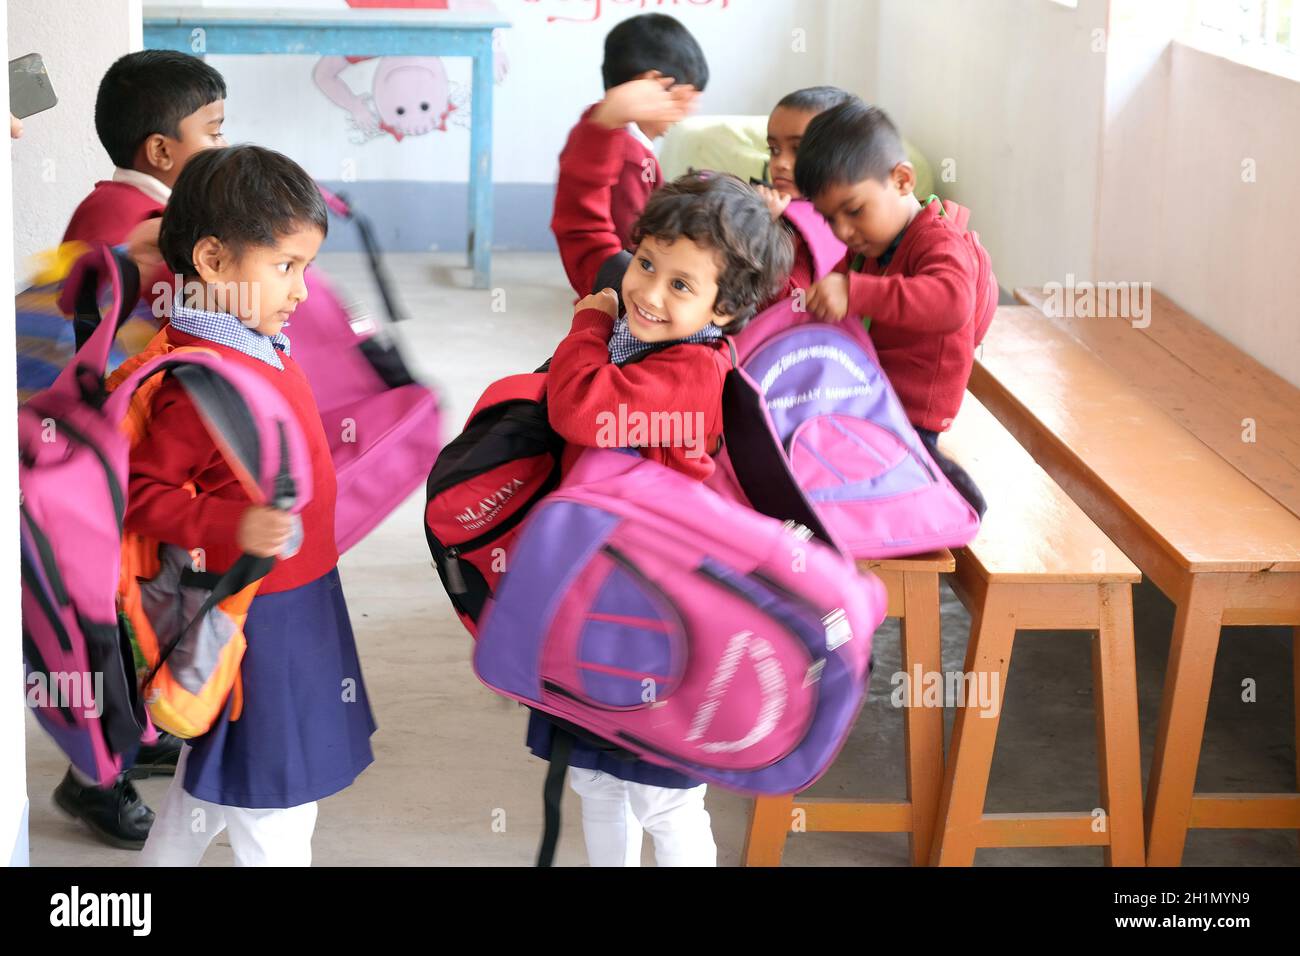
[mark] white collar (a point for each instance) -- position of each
(640, 136)
(150, 186)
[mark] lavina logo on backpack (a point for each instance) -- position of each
(489, 507)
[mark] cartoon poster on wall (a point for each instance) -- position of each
(406, 95)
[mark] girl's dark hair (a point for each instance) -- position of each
(723, 213)
(245, 196)
(653, 41)
(848, 144)
(147, 92)
(815, 99)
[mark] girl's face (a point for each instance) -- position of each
(669, 289)
(785, 129)
(264, 284)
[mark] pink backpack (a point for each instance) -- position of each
(681, 626)
(848, 441)
(383, 426)
(73, 462)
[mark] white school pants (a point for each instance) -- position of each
(615, 813)
(184, 826)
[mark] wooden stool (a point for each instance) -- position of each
(1038, 563)
(913, 588)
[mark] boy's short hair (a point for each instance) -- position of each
(244, 195)
(653, 41)
(721, 212)
(149, 92)
(815, 99)
(845, 145)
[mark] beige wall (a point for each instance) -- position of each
(60, 158)
(1181, 212)
(1011, 93)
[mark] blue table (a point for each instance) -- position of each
(357, 32)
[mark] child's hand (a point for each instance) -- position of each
(606, 300)
(263, 532)
(142, 246)
(829, 298)
(776, 201)
(652, 100)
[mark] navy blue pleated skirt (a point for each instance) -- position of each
(305, 728)
(591, 758)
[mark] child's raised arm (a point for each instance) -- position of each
(590, 164)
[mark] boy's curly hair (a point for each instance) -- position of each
(721, 212)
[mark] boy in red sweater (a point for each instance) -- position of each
(708, 254)
(913, 271)
(653, 72)
(155, 109)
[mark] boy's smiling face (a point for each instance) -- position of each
(263, 285)
(670, 288)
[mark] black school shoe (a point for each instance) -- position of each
(115, 814)
(158, 759)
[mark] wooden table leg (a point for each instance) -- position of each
(1295, 691)
(1119, 754)
(769, 826)
(974, 735)
(480, 173)
(919, 632)
(1183, 706)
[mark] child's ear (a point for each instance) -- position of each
(903, 176)
(156, 154)
(209, 258)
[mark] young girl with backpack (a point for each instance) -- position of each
(242, 225)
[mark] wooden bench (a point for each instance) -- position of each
(1202, 381)
(1218, 546)
(913, 588)
(1037, 563)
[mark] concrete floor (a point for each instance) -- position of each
(452, 783)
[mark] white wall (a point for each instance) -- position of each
(60, 158)
(1011, 92)
(554, 73)
(1178, 208)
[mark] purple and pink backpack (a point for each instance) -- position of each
(850, 446)
(73, 452)
(681, 626)
(383, 426)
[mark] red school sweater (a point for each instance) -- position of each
(929, 308)
(594, 403)
(178, 449)
(109, 214)
(606, 177)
